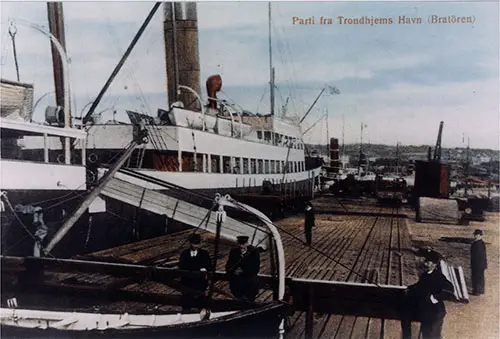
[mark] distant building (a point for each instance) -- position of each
(344, 160)
(416, 156)
(479, 159)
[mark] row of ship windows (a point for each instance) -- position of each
(226, 164)
(279, 140)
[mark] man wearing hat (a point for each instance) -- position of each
(242, 266)
(425, 298)
(194, 259)
(478, 263)
(308, 222)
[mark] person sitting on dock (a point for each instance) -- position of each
(242, 266)
(308, 222)
(425, 298)
(194, 259)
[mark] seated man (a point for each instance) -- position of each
(242, 266)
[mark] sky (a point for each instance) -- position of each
(397, 80)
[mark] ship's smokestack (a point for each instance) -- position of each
(181, 51)
(214, 85)
(334, 155)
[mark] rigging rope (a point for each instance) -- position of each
(292, 83)
(205, 219)
(187, 192)
(56, 198)
(66, 200)
(119, 53)
(15, 244)
(3, 42)
(261, 99)
(24, 226)
(317, 250)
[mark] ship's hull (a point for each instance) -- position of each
(270, 193)
(17, 222)
(262, 322)
(122, 223)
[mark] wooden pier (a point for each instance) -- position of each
(353, 242)
(365, 247)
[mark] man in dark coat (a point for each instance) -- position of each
(242, 266)
(308, 222)
(194, 259)
(425, 298)
(478, 263)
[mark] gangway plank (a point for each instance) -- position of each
(161, 203)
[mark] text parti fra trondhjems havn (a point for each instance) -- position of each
(372, 20)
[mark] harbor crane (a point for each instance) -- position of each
(437, 149)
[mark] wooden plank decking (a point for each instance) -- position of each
(373, 245)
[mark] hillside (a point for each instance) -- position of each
(387, 151)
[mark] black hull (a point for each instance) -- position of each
(259, 323)
(55, 204)
(122, 223)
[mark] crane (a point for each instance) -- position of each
(437, 149)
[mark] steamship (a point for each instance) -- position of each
(206, 145)
(209, 147)
(212, 150)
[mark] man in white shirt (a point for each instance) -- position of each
(194, 259)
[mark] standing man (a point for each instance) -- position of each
(194, 259)
(242, 266)
(308, 222)
(425, 298)
(40, 232)
(478, 263)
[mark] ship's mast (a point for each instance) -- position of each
(342, 151)
(271, 68)
(119, 66)
(467, 164)
(360, 149)
(56, 25)
(397, 157)
(327, 133)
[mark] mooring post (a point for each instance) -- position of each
(309, 315)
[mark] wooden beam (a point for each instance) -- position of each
(309, 302)
(366, 300)
(153, 273)
(101, 295)
(359, 299)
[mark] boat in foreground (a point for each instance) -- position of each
(35, 323)
(19, 323)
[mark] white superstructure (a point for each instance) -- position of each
(206, 151)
